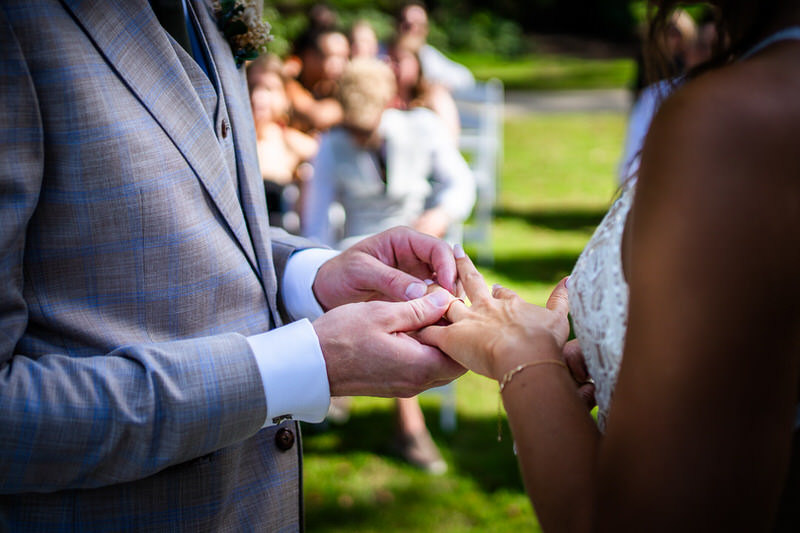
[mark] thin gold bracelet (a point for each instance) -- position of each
(507, 379)
(517, 369)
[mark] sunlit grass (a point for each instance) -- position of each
(551, 72)
(558, 180)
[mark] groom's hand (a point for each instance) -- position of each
(368, 352)
(388, 266)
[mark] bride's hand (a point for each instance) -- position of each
(573, 356)
(499, 330)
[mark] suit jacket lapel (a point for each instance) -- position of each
(128, 34)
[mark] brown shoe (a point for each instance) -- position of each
(420, 450)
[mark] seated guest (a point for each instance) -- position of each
(283, 152)
(377, 165)
(363, 40)
(318, 66)
(412, 24)
(414, 90)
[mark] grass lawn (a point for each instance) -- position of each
(558, 179)
(551, 72)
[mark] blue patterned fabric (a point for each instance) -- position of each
(135, 257)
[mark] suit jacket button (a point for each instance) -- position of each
(224, 129)
(284, 439)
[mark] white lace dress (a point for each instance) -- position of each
(598, 300)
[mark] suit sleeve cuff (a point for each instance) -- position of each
(298, 279)
(293, 373)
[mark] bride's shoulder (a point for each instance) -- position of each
(730, 122)
(725, 144)
(747, 100)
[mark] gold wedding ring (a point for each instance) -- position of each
(454, 300)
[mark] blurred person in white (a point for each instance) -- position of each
(412, 24)
(380, 162)
(378, 165)
(284, 152)
(414, 90)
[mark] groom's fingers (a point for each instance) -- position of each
(431, 335)
(418, 252)
(368, 272)
(416, 314)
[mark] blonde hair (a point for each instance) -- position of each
(366, 87)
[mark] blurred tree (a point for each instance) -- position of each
(476, 25)
(610, 19)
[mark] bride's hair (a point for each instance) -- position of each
(739, 24)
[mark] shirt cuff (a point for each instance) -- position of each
(293, 373)
(298, 279)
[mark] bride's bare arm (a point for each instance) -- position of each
(702, 418)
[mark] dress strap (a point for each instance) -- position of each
(786, 34)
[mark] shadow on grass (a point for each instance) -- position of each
(471, 450)
(555, 219)
(545, 269)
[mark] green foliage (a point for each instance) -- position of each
(697, 10)
(285, 28)
(601, 18)
(453, 29)
(483, 31)
(289, 20)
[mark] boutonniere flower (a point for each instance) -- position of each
(240, 22)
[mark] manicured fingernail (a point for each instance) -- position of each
(439, 298)
(416, 290)
(428, 282)
(496, 287)
(458, 251)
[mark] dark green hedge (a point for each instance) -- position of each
(495, 26)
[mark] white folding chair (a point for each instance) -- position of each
(480, 110)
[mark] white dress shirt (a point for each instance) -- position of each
(289, 358)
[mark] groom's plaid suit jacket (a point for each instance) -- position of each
(134, 258)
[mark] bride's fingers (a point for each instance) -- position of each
(460, 290)
(456, 311)
(431, 335)
(498, 291)
(573, 356)
(559, 300)
(471, 279)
